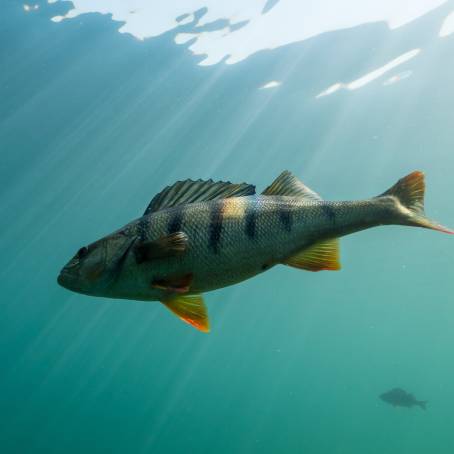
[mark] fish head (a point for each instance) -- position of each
(94, 268)
(385, 397)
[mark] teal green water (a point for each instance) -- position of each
(93, 123)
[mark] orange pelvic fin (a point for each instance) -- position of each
(191, 309)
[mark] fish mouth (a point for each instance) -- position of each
(68, 280)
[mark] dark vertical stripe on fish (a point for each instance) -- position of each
(251, 219)
(215, 228)
(142, 228)
(285, 216)
(175, 219)
(329, 212)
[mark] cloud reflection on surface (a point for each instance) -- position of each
(448, 26)
(371, 76)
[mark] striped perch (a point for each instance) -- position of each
(197, 236)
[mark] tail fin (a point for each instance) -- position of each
(409, 191)
(423, 404)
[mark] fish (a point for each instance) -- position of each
(397, 397)
(199, 236)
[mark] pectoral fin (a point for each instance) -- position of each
(320, 256)
(191, 309)
(179, 284)
(167, 246)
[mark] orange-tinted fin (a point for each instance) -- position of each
(320, 256)
(191, 309)
(409, 191)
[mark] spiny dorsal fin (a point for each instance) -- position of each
(191, 309)
(287, 184)
(166, 246)
(189, 191)
(320, 256)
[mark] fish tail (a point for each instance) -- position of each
(423, 404)
(409, 194)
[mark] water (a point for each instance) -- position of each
(93, 123)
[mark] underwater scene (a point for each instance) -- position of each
(225, 227)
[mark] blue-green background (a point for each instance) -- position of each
(93, 123)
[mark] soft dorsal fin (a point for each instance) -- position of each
(320, 256)
(189, 191)
(288, 185)
(191, 309)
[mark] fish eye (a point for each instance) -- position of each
(82, 252)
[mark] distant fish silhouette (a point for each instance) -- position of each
(397, 397)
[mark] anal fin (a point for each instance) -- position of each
(191, 309)
(320, 256)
